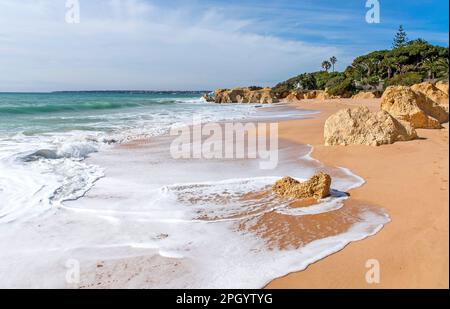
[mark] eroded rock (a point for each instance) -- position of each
(245, 95)
(317, 187)
(359, 126)
(414, 107)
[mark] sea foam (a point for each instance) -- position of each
(152, 221)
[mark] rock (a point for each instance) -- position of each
(322, 95)
(208, 98)
(294, 96)
(364, 95)
(316, 94)
(405, 104)
(317, 187)
(360, 126)
(246, 95)
(432, 92)
(442, 86)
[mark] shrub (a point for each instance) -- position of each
(344, 89)
(334, 81)
(405, 79)
(253, 88)
(322, 79)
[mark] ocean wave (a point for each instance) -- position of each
(77, 151)
(53, 108)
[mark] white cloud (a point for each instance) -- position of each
(133, 44)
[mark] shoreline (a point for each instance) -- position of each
(128, 257)
(409, 180)
(337, 220)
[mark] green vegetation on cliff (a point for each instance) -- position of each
(409, 62)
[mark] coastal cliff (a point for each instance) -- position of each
(243, 95)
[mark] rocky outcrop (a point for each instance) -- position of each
(360, 126)
(365, 95)
(442, 86)
(317, 94)
(245, 95)
(432, 92)
(208, 98)
(414, 107)
(317, 187)
(296, 96)
(292, 98)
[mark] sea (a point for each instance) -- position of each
(80, 209)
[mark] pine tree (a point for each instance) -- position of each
(400, 39)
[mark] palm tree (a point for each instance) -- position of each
(326, 65)
(430, 65)
(360, 71)
(333, 61)
(442, 67)
(389, 65)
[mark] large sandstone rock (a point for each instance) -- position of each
(442, 86)
(364, 95)
(294, 96)
(360, 126)
(323, 95)
(291, 98)
(317, 187)
(317, 94)
(405, 104)
(432, 92)
(245, 95)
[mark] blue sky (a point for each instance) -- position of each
(194, 44)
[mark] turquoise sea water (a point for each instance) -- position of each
(34, 113)
(45, 137)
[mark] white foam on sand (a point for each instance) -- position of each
(156, 222)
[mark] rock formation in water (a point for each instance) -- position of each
(317, 187)
(360, 126)
(208, 98)
(413, 106)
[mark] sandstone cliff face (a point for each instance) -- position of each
(296, 96)
(245, 95)
(317, 187)
(364, 95)
(442, 86)
(414, 107)
(360, 126)
(293, 97)
(432, 92)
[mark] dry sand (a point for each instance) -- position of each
(410, 180)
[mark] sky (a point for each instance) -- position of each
(195, 44)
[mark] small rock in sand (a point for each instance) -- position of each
(317, 187)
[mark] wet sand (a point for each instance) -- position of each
(409, 180)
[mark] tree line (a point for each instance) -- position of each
(407, 63)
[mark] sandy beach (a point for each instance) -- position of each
(409, 180)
